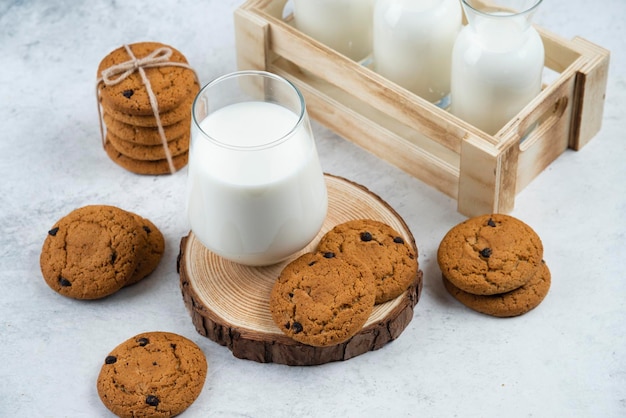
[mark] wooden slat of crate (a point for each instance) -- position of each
(483, 172)
(376, 132)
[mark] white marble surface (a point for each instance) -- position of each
(566, 358)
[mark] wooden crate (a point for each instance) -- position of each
(484, 173)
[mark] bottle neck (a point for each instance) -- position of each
(512, 14)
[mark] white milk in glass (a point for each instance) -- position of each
(496, 71)
(412, 44)
(266, 204)
(343, 25)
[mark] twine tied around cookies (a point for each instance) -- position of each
(117, 73)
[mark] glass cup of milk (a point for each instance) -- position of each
(256, 192)
(497, 62)
(343, 25)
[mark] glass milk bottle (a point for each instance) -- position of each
(412, 44)
(343, 25)
(497, 62)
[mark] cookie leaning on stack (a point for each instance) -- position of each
(95, 250)
(494, 264)
(133, 139)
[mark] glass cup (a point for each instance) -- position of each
(256, 192)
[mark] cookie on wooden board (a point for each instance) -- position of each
(513, 303)
(153, 374)
(490, 254)
(322, 300)
(382, 249)
(91, 252)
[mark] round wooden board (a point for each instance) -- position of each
(229, 302)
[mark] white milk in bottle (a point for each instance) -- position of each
(343, 25)
(267, 203)
(497, 68)
(412, 44)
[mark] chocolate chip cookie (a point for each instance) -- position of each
(322, 300)
(153, 374)
(170, 84)
(490, 254)
(382, 249)
(513, 303)
(146, 135)
(91, 252)
(176, 146)
(145, 167)
(149, 256)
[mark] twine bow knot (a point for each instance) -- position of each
(116, 73)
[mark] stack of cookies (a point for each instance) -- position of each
(132, 137)
(324, 297)
(494, 264)
(95, 250)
